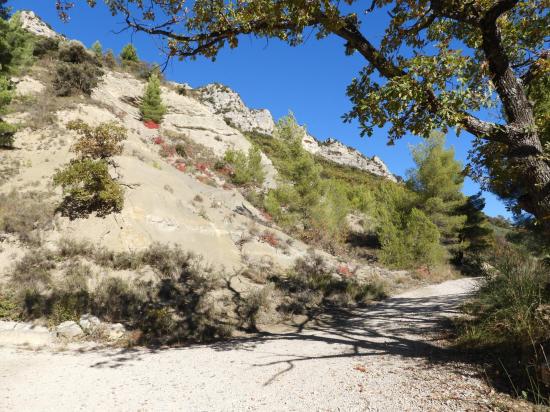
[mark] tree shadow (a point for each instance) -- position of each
(403, 327)
(75, 209)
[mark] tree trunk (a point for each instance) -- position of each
(533, 174)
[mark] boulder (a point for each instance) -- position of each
(88, 322)
(115, 331)
(69, 330)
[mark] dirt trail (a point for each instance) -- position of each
(380, 358)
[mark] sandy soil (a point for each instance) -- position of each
(380, 358)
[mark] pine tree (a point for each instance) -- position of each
(438, 180)
(97, 49)
(151, 107)
(475, 234)
(299, 166)
(129, 54)
(16, 46)
(300, 189)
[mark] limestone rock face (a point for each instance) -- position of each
(34, 24)
(338, 152)
(224, 101)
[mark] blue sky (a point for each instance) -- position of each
(310, 80)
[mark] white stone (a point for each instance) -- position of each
(89, 322)
(69, 329)
(115, 330)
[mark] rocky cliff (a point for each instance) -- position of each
(228, 104)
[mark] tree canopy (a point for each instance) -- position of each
(438, 180)
(436, 66)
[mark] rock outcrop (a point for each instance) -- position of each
(34, 24)
(227, 103)
(333, 150)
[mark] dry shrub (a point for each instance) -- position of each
(100, 142)
(26, 215)
(255, 306)
(311, 283)
(71, 78)
(74, 52)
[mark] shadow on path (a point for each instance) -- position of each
(399, 326)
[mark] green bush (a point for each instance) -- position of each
(411, 242)
(71, 78)
(311, 276)
(97, 50)
(151, 107)
(33, 271)
(117, 300)
(16, 47)
(88, 187)
(281, 203)
(300, 190)
(327, 223)
(9, 307)
(100, 142)
(7, 131)
(7, 135)
(245, 169)
(438, 181)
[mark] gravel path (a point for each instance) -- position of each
(378, 359)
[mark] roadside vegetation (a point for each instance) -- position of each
(509, 321)
(186, 300)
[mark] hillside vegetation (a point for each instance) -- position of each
(125, 197)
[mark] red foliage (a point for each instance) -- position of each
(266, 216)
(270, 238)
(151, 124)
(203, 167)
(167, 150)
(181, 167)
(344, 270)
(158, 140)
